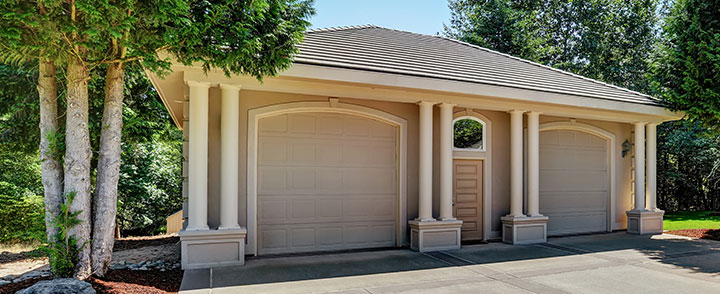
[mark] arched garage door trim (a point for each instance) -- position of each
(333, 106)
(610, 138)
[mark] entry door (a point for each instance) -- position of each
(467, 197)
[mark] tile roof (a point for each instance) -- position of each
(378, 49)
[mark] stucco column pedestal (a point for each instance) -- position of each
(426, 236)
(644, 222)
(212, 248)
(524, 229)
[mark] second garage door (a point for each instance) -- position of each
(326, 181)
(573, 181)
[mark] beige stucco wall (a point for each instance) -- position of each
(500, 142)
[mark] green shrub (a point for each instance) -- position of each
(150, 186)
(22, 216)
(63, 250)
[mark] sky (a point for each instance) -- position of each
(418, 16)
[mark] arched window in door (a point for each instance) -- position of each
(469, 134)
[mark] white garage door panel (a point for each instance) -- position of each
(566, 223)
(326, 236)
(326, 182)
(279, 180)
(294, 209)
(573, 181)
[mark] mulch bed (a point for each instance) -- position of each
(139, 242)
(14, 287)
(120, 282)
(710, 234)
(127, 282)
(116, 281)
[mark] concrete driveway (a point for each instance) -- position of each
(605, 263)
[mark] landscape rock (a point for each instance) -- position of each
(4, 282)
(59, 286)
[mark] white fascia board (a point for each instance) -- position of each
(500, 92)
(336, 82)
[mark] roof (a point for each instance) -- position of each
(373, 48)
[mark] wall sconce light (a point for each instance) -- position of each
(626, 147)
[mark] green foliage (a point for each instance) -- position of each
(468, 133)
(21, 209)
(687, 71)
(147, 175)
(688, 167)
(22, 218)
(608, 40)
(63, 251)
(150, 187)
(252, 37)
(504, 26)
(30, 30)
(19, 108)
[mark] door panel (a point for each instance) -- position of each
(326, 181)
(574, 184)
(468, 196)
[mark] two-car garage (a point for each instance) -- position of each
(329, 181)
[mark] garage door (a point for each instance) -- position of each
(326, 181)
(573, 181)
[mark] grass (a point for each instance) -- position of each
(690, 220)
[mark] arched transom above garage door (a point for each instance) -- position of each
(575, 179)
(327, 179)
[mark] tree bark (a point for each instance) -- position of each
(108, 171)
(78, 154)
(52, 173)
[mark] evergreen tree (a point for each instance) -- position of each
(247, 37)
(687, 71)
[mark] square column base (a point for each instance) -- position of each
(427, 236)
(518, 230)
(212, 248)
(643, 222)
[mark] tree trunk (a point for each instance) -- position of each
(108, 171)
(77, 159)
(51, 167)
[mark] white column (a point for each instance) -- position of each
(516, 163)
(446, 161)
(533, 163)
(639, 166)
(198, 163)
(425, 161)
(651, 193)
(229, 148)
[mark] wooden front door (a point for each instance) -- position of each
(468, 196)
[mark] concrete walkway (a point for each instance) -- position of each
(606, 263)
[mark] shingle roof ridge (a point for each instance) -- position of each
(489, 51)
(344, 28)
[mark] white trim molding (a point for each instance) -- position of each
(486, 156)
(607, 136)
(332, 106)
